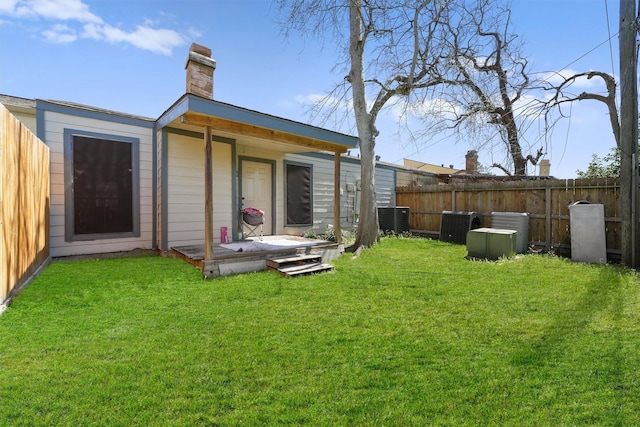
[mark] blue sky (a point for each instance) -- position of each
(129, 56)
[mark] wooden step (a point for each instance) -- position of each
(298, 265)
(275, 263)
(304, 269)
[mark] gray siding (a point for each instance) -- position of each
(54, 126)
(323, 200)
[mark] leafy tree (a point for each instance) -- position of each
(603, 167)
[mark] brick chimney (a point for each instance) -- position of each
(545, 167)
(472, 162)
(200, 67)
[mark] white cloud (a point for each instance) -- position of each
(61, 10)
(145, 36)
(92, 31)
(194, 32)
(60, 34)
(155, 40)
(7, 7)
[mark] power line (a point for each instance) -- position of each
(606, 9)
(608, 40)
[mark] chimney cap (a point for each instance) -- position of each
(201, 55)
(202, 50)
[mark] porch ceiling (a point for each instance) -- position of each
(253, 128)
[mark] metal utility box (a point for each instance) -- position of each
(455, 225)
(588, 240)
(513, 221)
(491, 243)
(394, 219)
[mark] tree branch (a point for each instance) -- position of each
(609, 100)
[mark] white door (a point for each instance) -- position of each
(256, 190)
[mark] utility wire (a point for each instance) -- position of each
(606, 9)
(608, 40)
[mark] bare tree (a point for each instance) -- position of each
(403, 50)
(389, 52)
(486, 77)
(561, 95)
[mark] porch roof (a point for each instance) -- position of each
(193, 112)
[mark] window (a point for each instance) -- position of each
(298, 194)
(102, 172)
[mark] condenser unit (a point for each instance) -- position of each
(491, 243)
(394, 219)
(455, 225)
(518, 222)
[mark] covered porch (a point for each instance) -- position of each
(204, 146)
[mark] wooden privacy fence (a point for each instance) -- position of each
(545, 200)
(24, 204)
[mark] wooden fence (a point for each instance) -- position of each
(24, 204)
(546, 200)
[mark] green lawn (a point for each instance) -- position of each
(411, 333)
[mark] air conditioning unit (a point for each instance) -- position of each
(491, 243)
(518, 222)
(394, 219)
(455, 225)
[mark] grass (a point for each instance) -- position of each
(409, 334)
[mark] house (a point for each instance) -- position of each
(121, 182)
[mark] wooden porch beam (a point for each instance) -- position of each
(208, 195)
(336, 198)
(259, 132)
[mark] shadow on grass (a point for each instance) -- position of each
(569, 322)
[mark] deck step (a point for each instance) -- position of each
(298, 265)
(275, 263)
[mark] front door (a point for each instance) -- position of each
(257, 178)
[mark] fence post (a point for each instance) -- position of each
(547, 214)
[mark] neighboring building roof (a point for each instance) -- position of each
(427, 167)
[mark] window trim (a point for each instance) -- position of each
(286, 191)
(69, 200)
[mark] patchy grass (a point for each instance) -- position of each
(411, 333)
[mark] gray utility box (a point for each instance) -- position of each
(491, 243)
(513, 221)
(588, 241)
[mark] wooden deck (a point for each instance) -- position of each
(228, 261)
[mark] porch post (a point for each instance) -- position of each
(336, 198)
(208, 195)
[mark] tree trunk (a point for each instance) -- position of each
(367, 233)
(519, 161)
(368, 230)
